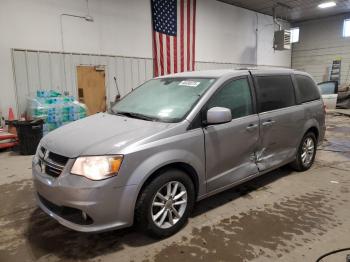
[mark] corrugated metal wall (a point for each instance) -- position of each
(35, 70)
(317, 62)
(320, 42)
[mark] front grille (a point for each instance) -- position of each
(62, 160)
(51, 163)
(52, 170)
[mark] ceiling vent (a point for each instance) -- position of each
(282, 40)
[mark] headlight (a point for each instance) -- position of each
(97, 167)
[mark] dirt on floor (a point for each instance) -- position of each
(281, 216)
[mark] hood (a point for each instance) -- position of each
(99, 134)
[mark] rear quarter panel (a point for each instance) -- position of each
(315, 117)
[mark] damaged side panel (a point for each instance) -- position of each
(230, 151)
(280, 132)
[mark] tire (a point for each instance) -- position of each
(147, 210)
(299, 164)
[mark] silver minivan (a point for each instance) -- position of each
(175, 140)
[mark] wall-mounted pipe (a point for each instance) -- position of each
(275, 20)
(88, 18)
(256, 38)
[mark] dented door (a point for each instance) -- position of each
(279, 136)
(281, 120)
(230, 151)
(230, 147)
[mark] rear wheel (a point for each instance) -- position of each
(306, 153)
(165, 203)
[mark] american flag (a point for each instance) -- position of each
(174, 24)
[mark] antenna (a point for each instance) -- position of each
(116, 85)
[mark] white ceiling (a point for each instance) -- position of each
(293, 10)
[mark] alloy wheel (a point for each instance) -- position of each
(169, 204)
(308, 151)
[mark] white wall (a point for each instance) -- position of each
(320, 43)
(266, 54)
(225, 34)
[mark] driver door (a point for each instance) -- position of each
(230, 146)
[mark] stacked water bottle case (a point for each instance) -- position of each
(55, 109)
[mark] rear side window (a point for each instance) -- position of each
(275, 92)
(236, 96)
(308, 90)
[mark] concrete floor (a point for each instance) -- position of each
(284, 216)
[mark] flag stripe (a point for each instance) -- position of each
(175, 53)
(182, 34)
(171, 54)
(185, 36)
(161, 54)
(188, 33)
(168, 54)
(178, 40)
(193, 34)
(155, 55)
(158, 51)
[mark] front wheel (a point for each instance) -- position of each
(165, 203)
(306, 153)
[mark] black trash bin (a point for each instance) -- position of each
(29, 135)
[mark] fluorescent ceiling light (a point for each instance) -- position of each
(327, 5)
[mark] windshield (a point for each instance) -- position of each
(165, 99)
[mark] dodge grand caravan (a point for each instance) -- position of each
(173, 141)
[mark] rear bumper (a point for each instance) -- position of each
(66, 197)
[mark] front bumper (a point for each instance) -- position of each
(65, 198)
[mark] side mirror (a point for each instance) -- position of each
(218, 115)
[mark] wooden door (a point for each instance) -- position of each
(91, 88)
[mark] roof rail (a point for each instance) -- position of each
(265, 68)
(246, 68)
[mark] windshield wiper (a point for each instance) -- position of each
(137, 116)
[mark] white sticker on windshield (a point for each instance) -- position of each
(189, 83)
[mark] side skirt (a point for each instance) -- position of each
(216, 191)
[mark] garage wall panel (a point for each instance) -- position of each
(321, 42)
(44, 70)
(149, 68)
(33, 70)
(21, 77)
(36, 70)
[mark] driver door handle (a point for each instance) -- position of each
(268, 123)
(251, 127)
